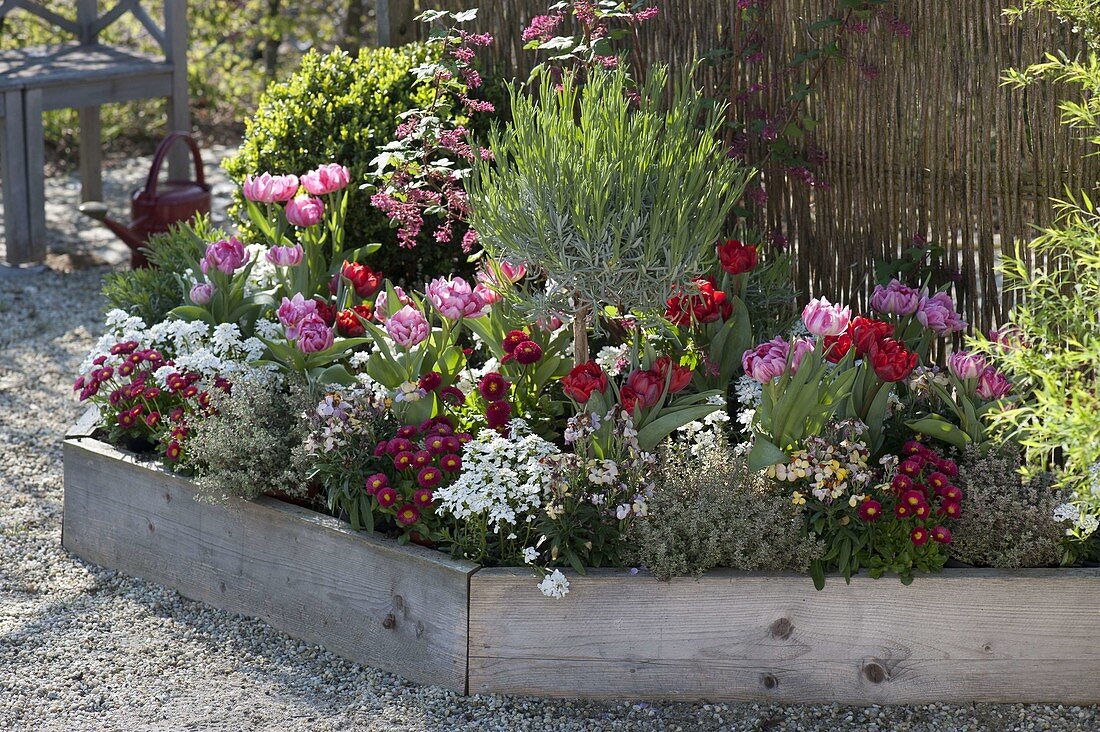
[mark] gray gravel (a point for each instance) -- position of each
(83, 648)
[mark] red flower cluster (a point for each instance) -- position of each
(135, 405)
(706, 305)
(645, 389)
(583, 381)
(862, 332)
(737, 258)
(365, 281)
(349, 323)
(519, 347)
(891, 360)
(423, 456)
(494, 389)
(922, 487)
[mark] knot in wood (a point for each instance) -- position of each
(389, 622)
(769, 681)
(875, 672)
(781, 629)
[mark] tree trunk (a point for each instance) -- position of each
(274, 38)
(353, 26)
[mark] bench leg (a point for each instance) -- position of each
(13, 174)
(36, 171)
(91, 155)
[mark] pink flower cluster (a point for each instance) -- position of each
(304, 324)
(768, 361)
(268, 188)
(935, 312)
(225, 256)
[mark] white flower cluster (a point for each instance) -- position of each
(554, 585)
(749, 391)
(191, 345)
(263, 275)
(502, 479)
(709, 432)
(614, 359)
(1086, 523)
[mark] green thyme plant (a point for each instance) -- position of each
(710, 510)
(1008, 521)
(616, 196)
(253, 442)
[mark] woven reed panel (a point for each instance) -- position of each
(933, 146)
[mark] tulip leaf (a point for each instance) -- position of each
(764, 454)
(939, 428)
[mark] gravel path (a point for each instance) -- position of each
(82, 648)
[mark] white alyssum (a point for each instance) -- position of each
(703, 434)
(503, 478)
(190, 345)
(1086, 523)
(554, 585)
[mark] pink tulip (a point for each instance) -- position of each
(992, 384)
(408, 327)
(381, 311)
(313, 334)
(326, 179)
(965, 365)
(801, 346)
(937, 313)
(767, 361)
(268, 188)
(226, 256)
(201, 293)
(488, 295)
(822, 318)
(285, 256)
(454, 299)
(293, 311)
(305, 211)
(895, 299)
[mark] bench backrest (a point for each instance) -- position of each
(170, 35)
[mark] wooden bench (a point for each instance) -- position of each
(82, 74)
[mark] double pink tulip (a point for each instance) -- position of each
(326, 179)
(268, 188)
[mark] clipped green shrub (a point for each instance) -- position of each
(341, 108)
(709, 510)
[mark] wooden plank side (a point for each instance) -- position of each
(402, 609)
(964, 635)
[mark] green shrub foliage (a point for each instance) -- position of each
(253, 442)
(151, 293)
(341, 108)
(1007, 521)
(709, 510)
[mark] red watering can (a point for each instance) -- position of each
(154, 208)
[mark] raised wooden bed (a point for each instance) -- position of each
(964, 635)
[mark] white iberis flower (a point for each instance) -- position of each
(554, 585)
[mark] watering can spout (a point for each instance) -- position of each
(98, 210)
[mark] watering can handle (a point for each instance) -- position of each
(162, 152)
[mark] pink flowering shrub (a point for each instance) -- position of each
(420, 172)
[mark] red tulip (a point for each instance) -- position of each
(681, 375)
(737, 258)
(705, 305)
(891, 360)
(583, 380)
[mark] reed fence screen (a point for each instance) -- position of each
(929, 146)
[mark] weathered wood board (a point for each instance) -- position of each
(402, 609)
(963, 635)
